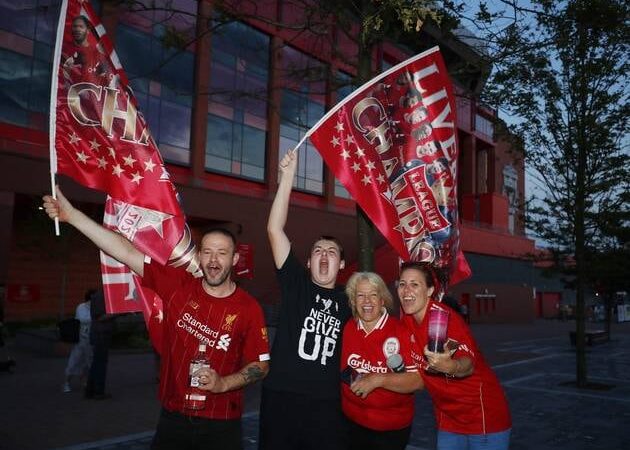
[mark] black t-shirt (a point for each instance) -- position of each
(307, 346)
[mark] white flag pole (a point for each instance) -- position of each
(56, 64)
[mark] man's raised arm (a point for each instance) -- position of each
(112, 243)
(280, 244)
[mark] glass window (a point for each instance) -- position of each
(344, 85)
(15, 74)
(302, 105)
(47, 16)
(484, 126)
(237, 119)
(19, 17)
(161, 76)
(26, 50)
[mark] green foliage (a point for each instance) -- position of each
(384, 18)
(564, 74)
(174, 38)
(565, 77)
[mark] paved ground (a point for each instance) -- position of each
(534, 362)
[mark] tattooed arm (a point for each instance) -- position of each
(250, 373)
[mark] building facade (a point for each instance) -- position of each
(223, 105)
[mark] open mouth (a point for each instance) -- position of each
(408, 301)
(213, 271)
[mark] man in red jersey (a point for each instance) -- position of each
(85, 60)
(211, 310)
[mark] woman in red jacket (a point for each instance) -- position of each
(470, 407)
(378, 372)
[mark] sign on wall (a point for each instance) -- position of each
(245, 265)
(23, 293)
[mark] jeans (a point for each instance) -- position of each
(176, 431)
(489, 441)
(98, 371)
(291, 421)
(361, 438)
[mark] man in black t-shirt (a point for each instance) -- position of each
(300, 407)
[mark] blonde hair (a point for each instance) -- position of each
(376, 281)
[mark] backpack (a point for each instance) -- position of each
(69, 330)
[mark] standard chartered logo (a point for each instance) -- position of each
(204, 333)
(224, 342)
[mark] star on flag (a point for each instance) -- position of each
(74, 138)
(117, 170)
(149, 165)
(129, 160)
(82, 157)
(136, 177)
(94, 145)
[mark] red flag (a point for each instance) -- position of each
(99, 138)
(393, 145)
(123, 290)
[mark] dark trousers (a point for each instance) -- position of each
(176, 431)
(362, 438)
(290, 421)
(98, 370)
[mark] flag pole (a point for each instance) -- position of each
(54, 84)
(306, 136)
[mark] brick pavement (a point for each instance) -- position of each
(533, 361)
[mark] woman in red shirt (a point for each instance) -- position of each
(378, 372)
(470, 407)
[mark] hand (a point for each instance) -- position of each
(210, 380)
(59, 207)
(69, 62)
(441, 362)
(288, 164)
(366, 383)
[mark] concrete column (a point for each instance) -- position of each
(199, 117)
(273, 116)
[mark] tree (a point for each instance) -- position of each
(563, 74)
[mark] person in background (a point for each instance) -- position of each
(378, 374)
(470, 407)
(80, 357)
(101, 332)
(300, 398)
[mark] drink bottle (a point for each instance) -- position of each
(438, 323)
(196, 398)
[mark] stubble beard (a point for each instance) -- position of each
(223, 276)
